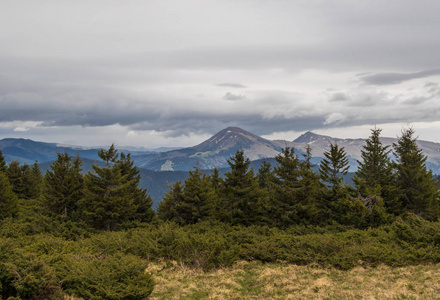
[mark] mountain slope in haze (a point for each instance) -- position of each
(353, 147)
(28, 151)
(213, 152)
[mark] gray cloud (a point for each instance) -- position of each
(233, 97)
(339, 97)
(233, 85)
(129, 65)
(396, 78)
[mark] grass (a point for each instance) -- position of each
(255, 280)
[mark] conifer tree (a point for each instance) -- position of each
(197, 197)
(285, 185)
(131, 175)
(111, 192)
(15, 176)
(417, 186)
(8, 199)
(265, 175)
(374, 178)
(375, 170)
(215, 179)
(27, 182)
(333, 167)
(215, 183)
(310, 190)
(64, 185)
(37, 180)
(169, 208)
(2, 163)
(240, 195)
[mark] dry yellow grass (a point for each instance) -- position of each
(254, 280)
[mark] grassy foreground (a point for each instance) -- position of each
(255, 280)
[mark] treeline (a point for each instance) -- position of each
(289, 193)
(292, 192)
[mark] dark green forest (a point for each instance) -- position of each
(91, 235)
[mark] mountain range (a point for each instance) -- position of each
(211, 153)
(158, 169)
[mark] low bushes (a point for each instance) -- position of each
(111, 265)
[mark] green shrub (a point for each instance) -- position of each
(105, 277)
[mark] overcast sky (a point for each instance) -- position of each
(172, 73)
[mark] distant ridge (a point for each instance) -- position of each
(214, 152)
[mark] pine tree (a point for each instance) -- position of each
(374, 177)
(332, 169)
(131, 175)
(169, 208)
(375, 169)
(37, 180)
(240, 195)
(215, 179)
(112, 196)
(2, 163)
(8, 199)
(417, 186)
(15, 176)
(64, 186)
(264, 175)
(28, 187)
(215, 183)
(285, 185)
(197, 197)
(309, 192)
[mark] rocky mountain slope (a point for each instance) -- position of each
(213, 152)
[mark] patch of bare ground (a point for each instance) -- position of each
(254, 280)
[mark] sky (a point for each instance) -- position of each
(173, 73)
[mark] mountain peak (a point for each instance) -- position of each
(231, 139)
(310, 137)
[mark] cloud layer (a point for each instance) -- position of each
(168, 70)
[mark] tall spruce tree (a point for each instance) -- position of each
(332, 169)
(2, 163)
(417, 186)
(37, 180)
(240, 195)
(309, 192)
(15, 176)
(264, 175)
(375, 170)
(285, 186)
(169, 208)
(111, 192)
(374, 179)
(131, 175)
(8, 199)
(64, 186)
(197, 197)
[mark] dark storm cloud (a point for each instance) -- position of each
(233, 85)
(396, 78)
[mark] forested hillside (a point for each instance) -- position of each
(91, 235)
